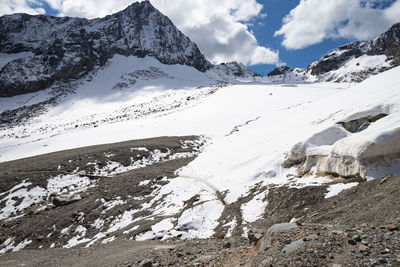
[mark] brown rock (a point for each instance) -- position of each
(352, 242)
(364, 248)
(350, 235)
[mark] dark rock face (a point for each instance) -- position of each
(68, 48)
(233, 69)
(388, 44)
(333, 61)
(361, 124)
(279, 71)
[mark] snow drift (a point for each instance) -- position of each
(373, 139)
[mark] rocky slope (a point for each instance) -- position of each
(36, 51)
(358, 227)
(281, 70)
(286, 74)
(357, 61)
(233, 70)
(96, 196)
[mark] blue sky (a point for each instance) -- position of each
(265, 28)
(258, 33)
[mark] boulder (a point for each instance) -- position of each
(66, 199)
(265, 241)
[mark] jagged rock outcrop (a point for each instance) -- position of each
(357, 61)
(286, 74)
(68, 48)
(234, 69)
(279, 71)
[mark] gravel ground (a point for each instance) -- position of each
(107, 197)
(358, 227)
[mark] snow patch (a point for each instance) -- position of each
(335, 189)
(7, 58)
(254, 209)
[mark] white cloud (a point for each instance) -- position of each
(20, 6)
(312, 21)
(88, 8)
(218, 27)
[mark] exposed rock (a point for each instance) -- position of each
(293, 246)
(146, 263)
(358, 125)
(234, 69)
(265, 241)
(254, 235)
(279, 71)
(297, 155)
(227, 245)
(357, 238)
(364, 248)
(39, 238)
(352, 242)
(66, 199)
(387, 46)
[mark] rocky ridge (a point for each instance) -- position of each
(281, 70)
(357, 61)
(64, 48)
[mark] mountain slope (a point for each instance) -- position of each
(64, 48)
(249, 130)
(357, 61)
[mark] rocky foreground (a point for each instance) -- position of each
(300, 227)
(288, 244)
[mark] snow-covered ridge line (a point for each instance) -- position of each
(59, 49)
(351, 63)
(357, 61)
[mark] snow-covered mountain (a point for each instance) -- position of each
(38, 51)
(70, 83)
(286, 74)
(357, 61)
(257, 136)
(234, 70)
(353, 62)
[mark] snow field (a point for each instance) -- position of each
(252, 126)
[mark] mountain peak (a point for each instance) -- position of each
(142, 5)
(356, 61)
(64, 48)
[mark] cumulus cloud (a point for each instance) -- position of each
(218, 27)
(21, 6)
(312, 21)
